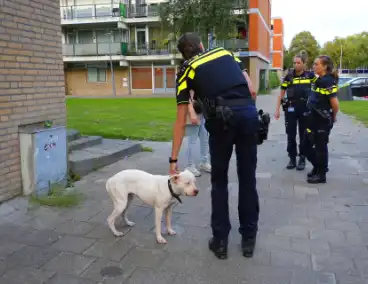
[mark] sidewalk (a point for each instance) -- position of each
(308, 235)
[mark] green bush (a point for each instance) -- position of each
(274, 80)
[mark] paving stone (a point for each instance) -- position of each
(334, 264)
(332, 236)
(109, 250)
(264, 175)
(271, 242)
(290, 259)
(144, 276)
(42, 238)
(73, 244)
(342, 226)
(2, 267)
(69, 263)
(35, 257)
(8, 247)
(96, 271)
(310, 246)
(146, 258)
(302, 191)
(188, 264)
(305, 276)
(23, 275)
(293, 231)
(68, 279)
(73, 227)
(102, 231)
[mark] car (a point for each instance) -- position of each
(359, 86)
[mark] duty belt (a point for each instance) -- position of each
(234, 102)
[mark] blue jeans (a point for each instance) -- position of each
(194, 132)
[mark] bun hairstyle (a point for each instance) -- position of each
(330, 68)
(303, 55)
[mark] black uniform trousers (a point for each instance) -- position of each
(221, 142)
(295, 121)
(316, 142)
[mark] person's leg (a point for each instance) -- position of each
(301, 130)
(192, 133)
(203, 139)
(248, 201)
(291, 125)
(221, 147)
(321, 150)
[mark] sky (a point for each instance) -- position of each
(325, 19)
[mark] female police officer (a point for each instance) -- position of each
(323, 107)
(296, 84)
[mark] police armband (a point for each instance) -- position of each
(264, 121)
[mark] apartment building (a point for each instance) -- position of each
(119, 48)
(277, 45)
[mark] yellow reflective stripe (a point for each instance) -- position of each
(314, 79)
(324, 91)
(308, 130)
(191, 74)
(303, 81)
(285, 84)
(209, 58)
(182, 87)
(237, 59)
(194, 59)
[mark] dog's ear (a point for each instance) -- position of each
(175, 178)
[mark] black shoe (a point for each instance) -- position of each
(292, 164)
(218, 247)
(317, 178)
(248, 245)
(314, 171)
(301, 164)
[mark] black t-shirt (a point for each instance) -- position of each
(216, 72)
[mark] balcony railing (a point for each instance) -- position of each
(232, 44)
(144, 10)
(151, 49)
(89, 11)
(93, 49)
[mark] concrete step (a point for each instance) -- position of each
(84, 142)
(73, 135)
(84, 161)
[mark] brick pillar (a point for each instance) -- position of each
(31, 78)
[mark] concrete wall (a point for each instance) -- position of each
(31, 78)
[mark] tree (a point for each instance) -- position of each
(202, 16)
(305, 41)
(288, 59)
(354, 50)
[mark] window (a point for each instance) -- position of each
(96, 75)
(359, 81)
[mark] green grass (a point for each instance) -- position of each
(123, 118)
(147, 149)
(357, 109)
(59, 197)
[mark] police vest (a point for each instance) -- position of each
(214, 73)
(298, 88)
(321, 91)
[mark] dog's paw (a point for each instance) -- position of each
(171, 232)
(161, 240)
(118, 234)
(130, 223)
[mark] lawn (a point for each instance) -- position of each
(358, 109)
(123, 118)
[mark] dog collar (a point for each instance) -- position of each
(173, 194)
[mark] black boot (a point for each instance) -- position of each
(292, 164)
(314, 171)
(301, 164)
(248, 245)
(218, 247)
(317, 178)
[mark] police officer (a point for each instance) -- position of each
(221, 86)
(296, 85)
(323, 107)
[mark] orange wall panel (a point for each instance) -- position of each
(277, 61)
(277, 43)
(278, 26)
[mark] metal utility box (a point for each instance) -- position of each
(44, 158)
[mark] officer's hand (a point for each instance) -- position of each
(173, 170)
(277, 114)
(194, 120)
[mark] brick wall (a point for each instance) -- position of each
(31, 78)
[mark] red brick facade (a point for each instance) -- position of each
(31, 78)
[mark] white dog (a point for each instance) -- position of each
(155, 190)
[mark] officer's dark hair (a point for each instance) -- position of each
(330, 69)
(303, 56)
(189, 45)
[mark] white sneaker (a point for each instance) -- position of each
(194, 171)
(205, 167)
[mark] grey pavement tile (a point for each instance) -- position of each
(331, 236)
(2, 267)
(73, 227)
(108, 272)
(189, 279)
(83, 213)
(342, 226)
(8, 247)
(146, 258)
(335, 264)
(293, 232)
(41, 238)
(360, 251)
(35, 257)
(23, 275)
(73, 244)
(310, 246)
(145, 276)
(102, 231)
(362, 266)
(305, 276)
(68, 279)
(109, 250)
(290, 259)
(273, 242)
(69, 263)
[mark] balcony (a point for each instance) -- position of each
(139, 49)
(89, 13)
(94, 49)
(144, 10)
(232, 44)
